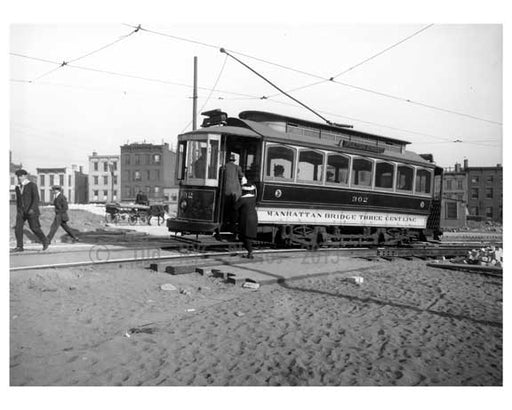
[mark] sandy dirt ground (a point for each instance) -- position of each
(407, 324)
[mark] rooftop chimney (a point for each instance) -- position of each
(466, 162)
(457, 167)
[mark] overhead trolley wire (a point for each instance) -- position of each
(333, 79)
(361, 62)
(114, 73)
(222, 91)
(65, 63)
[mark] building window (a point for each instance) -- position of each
(474, 211)
(127, 190)
(69, 196)
(95, 194)
(148, 175)
(488, 192)
(52, 178)
(156, 158)
(404, 178)
(114, 195)
(61, 180)
(13, 182)
(95, 180)
(488, 211)
(157, 189)
(475, 180)
(127, 176)
(136, 176)
(157, 173)
(137, 159)
(384, 175)
(280, 162)
(490, 179)
(95, 165)
(42, 195)
(474, 193)
(105, 180)
(148, 159)
(459, 184)
(114, 165)
(41, 177)
(114, 179)
(69, 180)
(127, 159)
(362, 172)
(449, 184)
(451, 210)
(105, 194)
(310, 167)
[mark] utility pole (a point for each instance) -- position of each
(194, 97)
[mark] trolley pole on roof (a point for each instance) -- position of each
(194, 97)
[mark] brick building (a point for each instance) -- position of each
(485, 193)
(73, 181)
(104, 181)
(455, 197)
(149, 168)
(472, 194)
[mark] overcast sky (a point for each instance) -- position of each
(440, 83)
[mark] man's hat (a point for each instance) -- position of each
(232, 157)
(56, 188)
(20, 172)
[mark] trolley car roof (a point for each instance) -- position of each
(258, 129)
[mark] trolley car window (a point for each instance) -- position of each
(213, 164)
(197, 159)
(280, 162)
(362, 172)
(337, 169)
(423, 181)
(310, 166)
(384, 175)
(404, 178)
(181, 160)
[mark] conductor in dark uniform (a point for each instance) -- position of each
(232, 177)
(61, 214)
(247, 217)
(27, 209)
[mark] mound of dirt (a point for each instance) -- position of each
(80, 220)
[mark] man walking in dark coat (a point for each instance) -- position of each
(232, 176)
(27, 209)
(248, 217)
(61, 214)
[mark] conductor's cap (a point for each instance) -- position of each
(232, 157)
(20, 172)
(56, 188)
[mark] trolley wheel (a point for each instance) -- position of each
(132, 220)
(109, 218)
(143, 219)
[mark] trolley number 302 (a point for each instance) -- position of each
(359, 199)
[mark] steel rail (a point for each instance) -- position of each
(371, 253)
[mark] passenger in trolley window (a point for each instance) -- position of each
(233, 177)
(248, 217)
(61, 215)
(27, 204)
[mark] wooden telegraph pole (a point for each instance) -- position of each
(194, 97)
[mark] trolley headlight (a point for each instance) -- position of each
(183, 204)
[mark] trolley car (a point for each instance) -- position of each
(317, 184)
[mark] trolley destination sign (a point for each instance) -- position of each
(333, 217)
